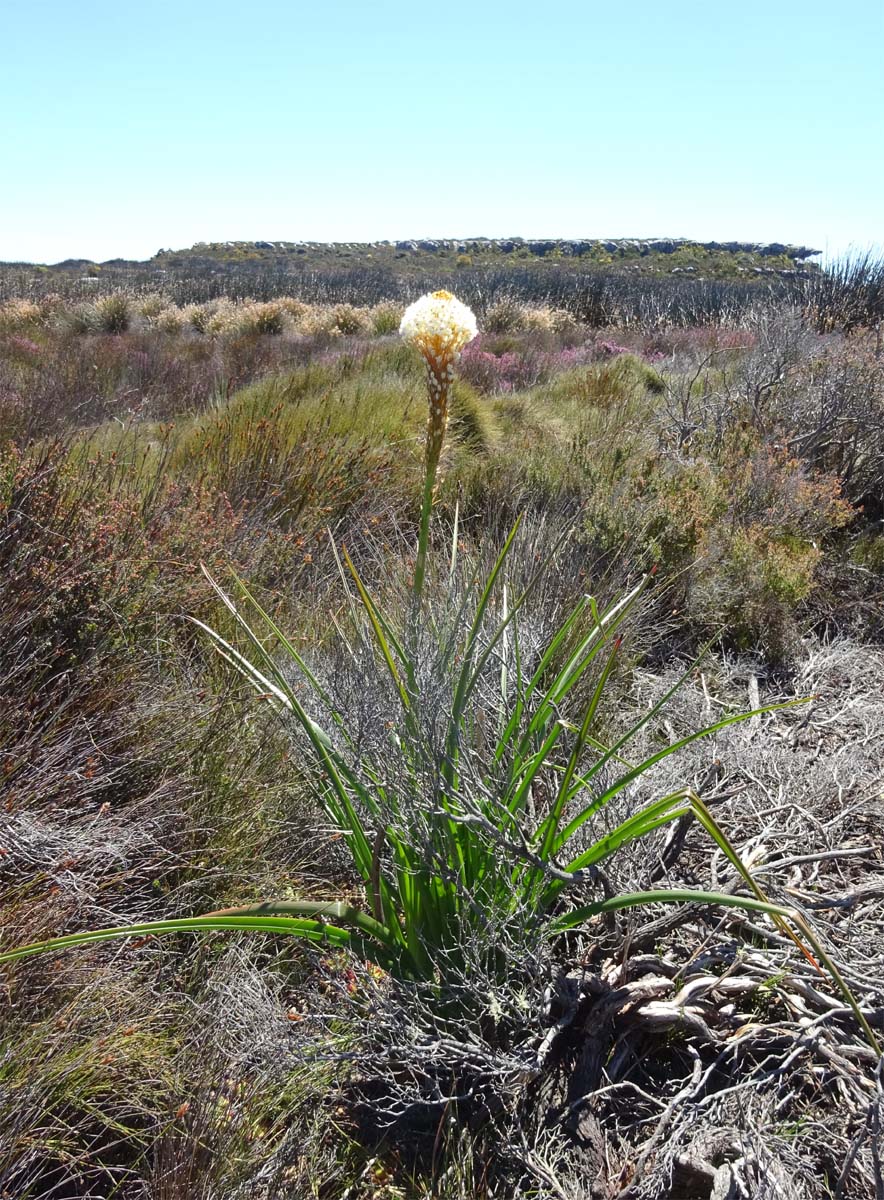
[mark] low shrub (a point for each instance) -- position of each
(347, 319)
(20, 313)
(507, 372)
(79, 319)
(150, 304)
(113, 313)
(170, 319)
(198, 316)
(319, 322)
(296, 310)
(385, 318)
(268, 318)
(507, 316)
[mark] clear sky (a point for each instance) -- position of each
(126, 127)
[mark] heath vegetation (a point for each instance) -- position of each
(483, 795)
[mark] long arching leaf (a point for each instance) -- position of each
(254, 919)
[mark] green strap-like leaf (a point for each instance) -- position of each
(748, 903)
(518, 793)
(513, 722)
(600, 801)
(551, 826)
(374, 617)
(664, 896)
(332, 767)
(305, 928)
(284, 641)
(580, 658)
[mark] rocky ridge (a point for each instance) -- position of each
(542, 247)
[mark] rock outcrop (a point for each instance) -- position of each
(538, 247)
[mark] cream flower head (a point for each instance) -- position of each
(439, 325)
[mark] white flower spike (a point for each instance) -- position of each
(439, 325)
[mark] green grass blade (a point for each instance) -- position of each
(470, 677)
(551, 826)
(462, 688)
(334, 771)
(706, 819)
(452, 566)
(649, 818)
(247, 669)
(748, 903)
(603, 626)
(263, 653)
(470, 672)
(518, 794)
(664, 896)
(581, 657)
(337, 910)
(504, 650)
(600, 801)
(384, 646)
(305, 928)
(283, 639)
(389, 631)
(648, 716)
(548, 656)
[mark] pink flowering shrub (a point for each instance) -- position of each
(609, 349)
(506, 372)
(698, 341)
(570, 358)
(510, 370)
(23, 345)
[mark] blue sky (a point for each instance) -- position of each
(129, 127)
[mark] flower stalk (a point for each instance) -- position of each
(439, 326)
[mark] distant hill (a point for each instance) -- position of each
(651, 256)
(590, 277)
(658, 256)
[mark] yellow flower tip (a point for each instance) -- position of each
(439, 325)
